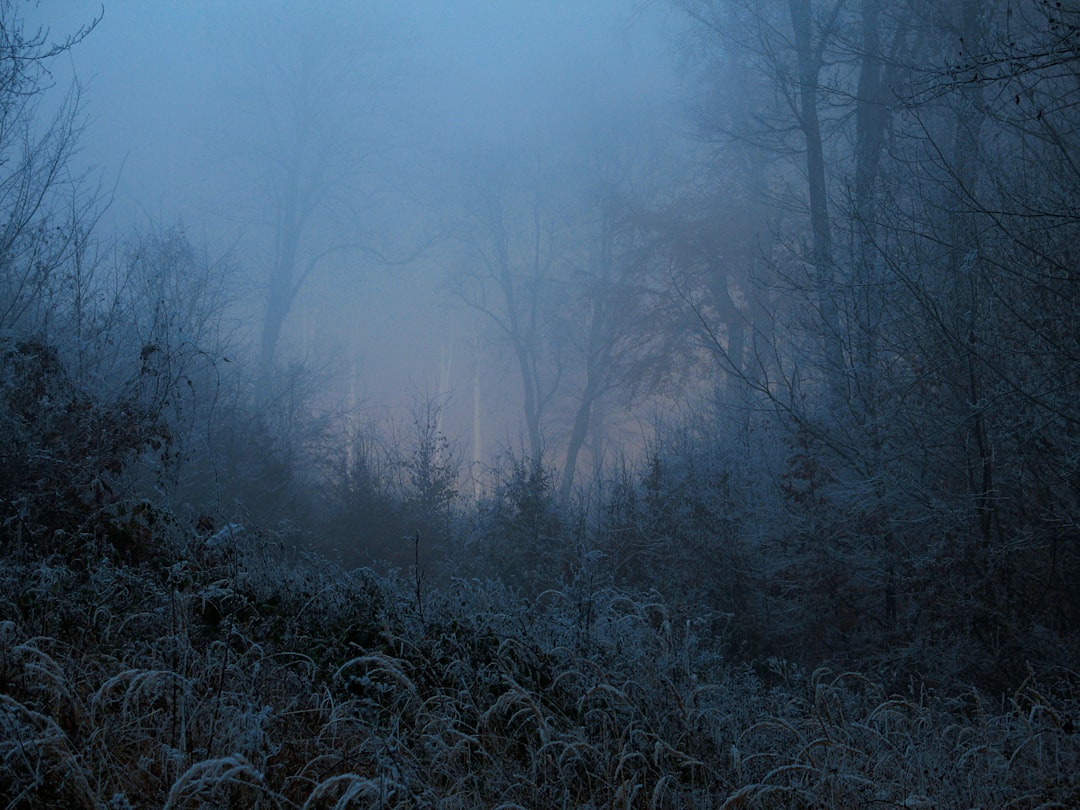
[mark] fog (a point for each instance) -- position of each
(571, 387)
(188, 108)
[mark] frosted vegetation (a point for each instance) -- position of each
(214, 678)
(848, 577)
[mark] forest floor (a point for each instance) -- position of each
(224, 677)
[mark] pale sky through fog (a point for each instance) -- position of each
(167, 105)
(159, 74)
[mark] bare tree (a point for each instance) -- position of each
(558, 260)
(623, 337)
(46, 210)
(313, 109)
(515, 243)
(934, 154)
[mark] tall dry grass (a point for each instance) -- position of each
(200, 681)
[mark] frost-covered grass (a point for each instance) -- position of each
(206, 680)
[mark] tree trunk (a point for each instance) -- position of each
(964, 277)
(477, 424)
(531, 402)
(282, 286)
(578, 434)
(809, 67)
(871, 120)
(277, 309)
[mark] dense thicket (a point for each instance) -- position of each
(907, 343)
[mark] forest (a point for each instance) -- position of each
(738, 459)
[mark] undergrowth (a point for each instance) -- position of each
(220, 676)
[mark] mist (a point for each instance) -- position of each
(180, 108)
(539, 403)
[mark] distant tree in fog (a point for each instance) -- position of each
(308, 146)
(620, 333)
(559, 258)
(514, 237)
